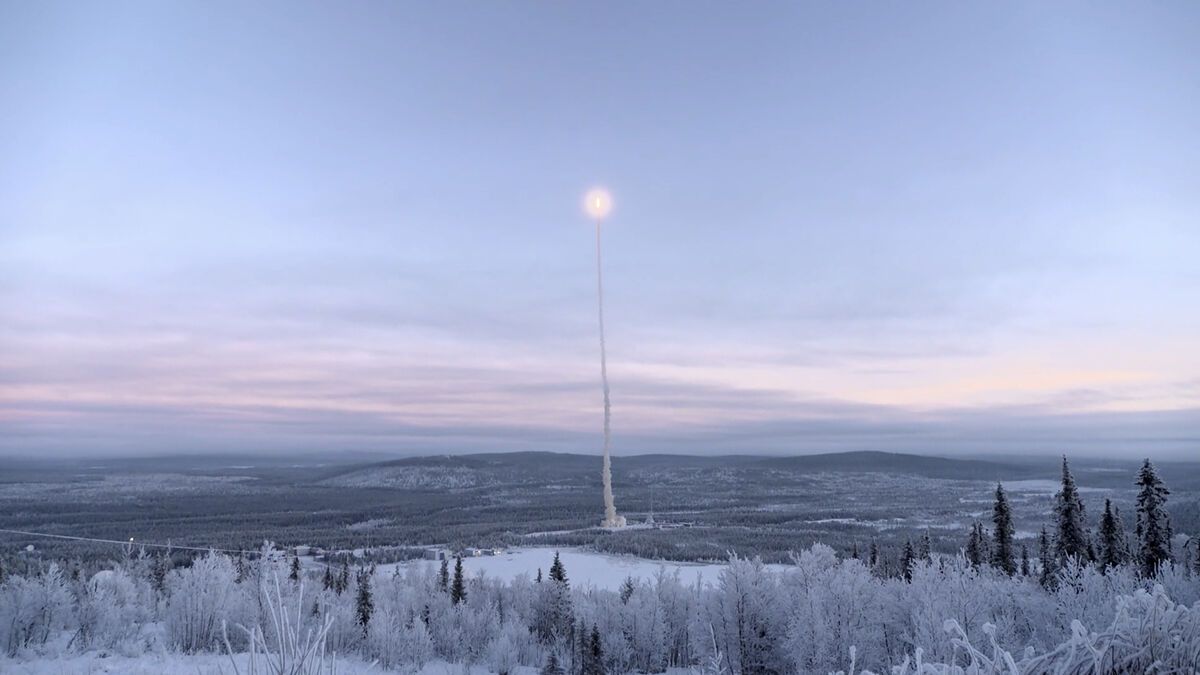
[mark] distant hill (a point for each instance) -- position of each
(899, 463)
(534, 468)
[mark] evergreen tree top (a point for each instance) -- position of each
(1153, 522)
(1148, 479)
(458, 589)
(557, 571)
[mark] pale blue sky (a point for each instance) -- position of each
(951, 227)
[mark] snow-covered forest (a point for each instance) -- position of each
(1093, 597)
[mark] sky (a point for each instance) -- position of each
(953, 228)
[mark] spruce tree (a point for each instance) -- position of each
(1126, 547)
(1002, 536)
(627, 588)
(557, 571)
(1112, 538)
(557, 597)
(1047, 561)
(1153, 524)
(925, 552)
(593, 661)
(294, 574)
(985, 544)
(458, 589)
(343, 581)
(444, 575)
(854, 551)
(873, 554)
(1024, 560)
(539, 576)
(1071, 540)
(976, 555)
(327, 580)
(551, 667)
(1196, 560)
(364, 605)
(907, 560)
(239, 565)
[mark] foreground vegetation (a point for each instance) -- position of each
(806, 618)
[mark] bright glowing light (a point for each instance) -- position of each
(597, 203)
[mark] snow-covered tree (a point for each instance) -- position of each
(397, 642)
(458, 588)
(1071, 538)
(558, 572)
(1153, 523)
(977, 549)
(1047, 562)
(908, 558)
(113, 610)
(364, 605)
(1112, 538)
(593, 655)
(511, 647)
(627, 588)
(554, 621)
(829, 606)
(1002, 534)
(343, 580)
(33, 608)
(198, 598)
(745, 615)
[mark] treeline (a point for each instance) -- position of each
(1069, 536)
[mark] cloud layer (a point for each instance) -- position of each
(216, 236)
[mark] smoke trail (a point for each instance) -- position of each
(611, 519)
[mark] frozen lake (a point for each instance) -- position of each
(584, 568)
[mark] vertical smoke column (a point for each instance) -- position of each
(598, 204)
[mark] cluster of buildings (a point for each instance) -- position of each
(446, 554)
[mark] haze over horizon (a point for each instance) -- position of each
(280, 228)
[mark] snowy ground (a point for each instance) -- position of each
(1043, 486)
(584, 568)
(96, 663)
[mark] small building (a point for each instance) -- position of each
(435, 554)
